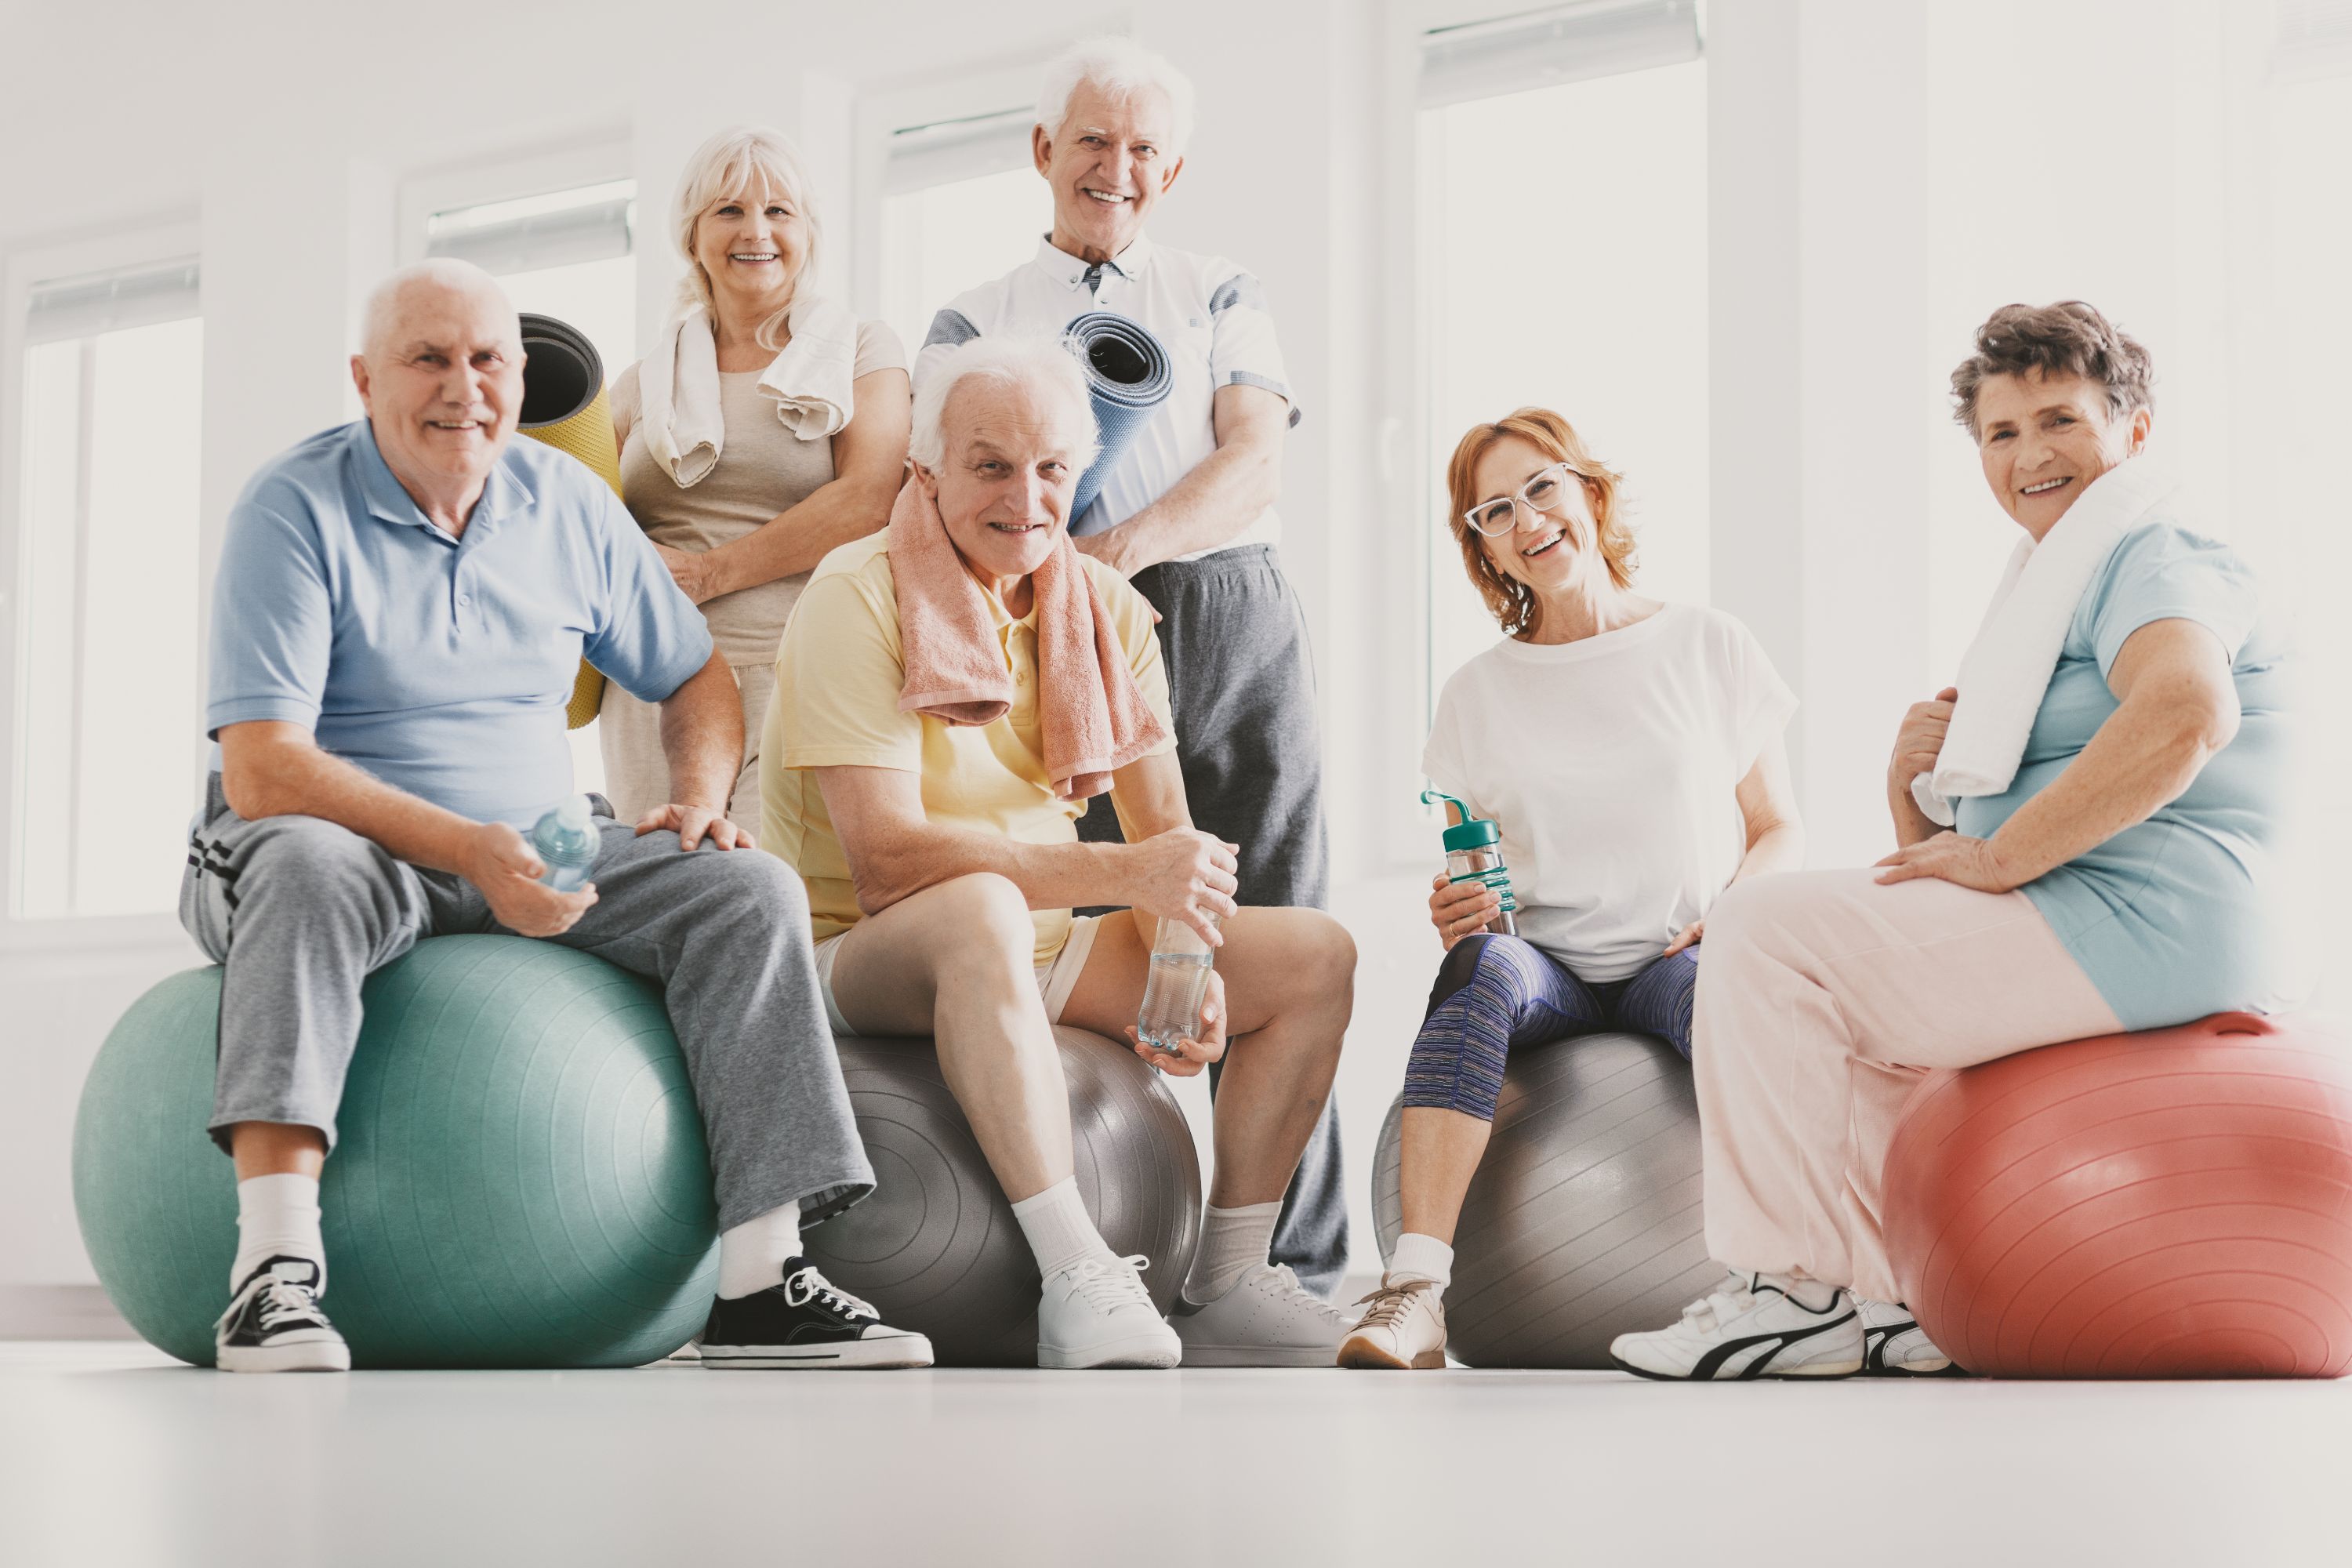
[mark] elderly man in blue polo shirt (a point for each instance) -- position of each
(1188, 513)
(401, 605)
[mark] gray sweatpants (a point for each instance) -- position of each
(1242, 686)
(300, 912)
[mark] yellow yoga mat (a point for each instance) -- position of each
(563, 404)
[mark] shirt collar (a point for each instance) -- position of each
(1068, 270)
(505, 492)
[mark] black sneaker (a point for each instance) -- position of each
(804, 1323)
(274, 1324)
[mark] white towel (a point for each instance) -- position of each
(2008, 668)
(677, 385)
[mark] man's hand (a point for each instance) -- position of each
(1188, 875)
(501, 862)
(692, 823)
(691, 571)
(1190, 1057)
(1689, 936)
(1921, 740)
(1951, 858)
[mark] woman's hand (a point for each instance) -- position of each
(1193, 1056)
(1687, 937)
(1461, 908)
(692, 572)
(1921, 740)
(1951, 858)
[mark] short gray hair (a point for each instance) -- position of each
(382, 312)
(1031, 360)
(721, 166)
(1121, 67)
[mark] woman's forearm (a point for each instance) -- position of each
(796, 539)
(1780, 847)
(2141, 759)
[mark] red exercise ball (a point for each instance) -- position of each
(2172, 1204)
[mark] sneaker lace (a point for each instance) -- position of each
(1283, 1282)
(807, 1285)
(1386, 1306)
(1106, 1285)
(284, 1298)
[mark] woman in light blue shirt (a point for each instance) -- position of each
(2121, 877)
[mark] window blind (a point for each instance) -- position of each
(105, 301)
(946, 150)
(1558, 44)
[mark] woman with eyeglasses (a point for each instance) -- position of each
(1631, 752)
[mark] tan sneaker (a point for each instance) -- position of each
(1403, 1328)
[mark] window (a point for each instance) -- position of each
(568, 254)
(1563, 236)
(108, 734)
(961, 203)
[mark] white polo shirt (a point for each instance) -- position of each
(1208, 313)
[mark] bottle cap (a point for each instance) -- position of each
(575, 812)
(1475, 834)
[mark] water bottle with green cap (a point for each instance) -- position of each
(1474, 853)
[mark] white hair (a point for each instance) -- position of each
(725, 165)
(381, 315)
(1045, 365)
(1123, 69)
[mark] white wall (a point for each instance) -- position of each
(1882, 175)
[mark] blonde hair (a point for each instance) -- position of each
(726, 165)
(1510, 601)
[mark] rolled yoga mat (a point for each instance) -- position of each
(563, 404)
(1127, 377)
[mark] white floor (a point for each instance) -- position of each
(110, 1454)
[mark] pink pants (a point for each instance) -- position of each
(1823, 999)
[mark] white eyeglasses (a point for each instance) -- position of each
(1539, 495)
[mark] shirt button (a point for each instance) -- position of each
(464, 599)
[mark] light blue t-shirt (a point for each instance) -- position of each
(441, 665)
(2172, 918)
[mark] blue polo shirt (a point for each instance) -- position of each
(442, 666)
(2175, 917)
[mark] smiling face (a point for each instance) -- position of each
(751, 244)
(1108, 164)
(442, 383)
(1011, 465)
(1547, 548)
(2043, 438)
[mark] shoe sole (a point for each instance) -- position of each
(1364, 1356)
(900, 1352)
(1256, 1355)
(302, 1355)
(1138, 1351)
(1827, 1371)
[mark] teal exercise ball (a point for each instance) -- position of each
(520, 1178)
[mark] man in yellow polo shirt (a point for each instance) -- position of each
(942, 867)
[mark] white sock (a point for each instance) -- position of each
(277, 1216)
(1060, 1229)
(1233, 1242)
(1811, 1294)
(751, 1256)
(1419, 1257)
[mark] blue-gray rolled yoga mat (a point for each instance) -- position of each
(1127, 376)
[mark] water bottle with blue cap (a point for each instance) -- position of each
(565, 842)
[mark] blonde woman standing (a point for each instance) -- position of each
(767, 426)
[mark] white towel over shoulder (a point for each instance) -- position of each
(2008, 668)
(677, 385)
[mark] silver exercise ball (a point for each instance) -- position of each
(936, 1247)
(1583, 1220)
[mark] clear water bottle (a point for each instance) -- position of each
(566, 841)
(1474, 853)
(1181, 961)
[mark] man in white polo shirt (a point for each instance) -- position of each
(1187, 512)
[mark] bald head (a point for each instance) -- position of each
(440, 369)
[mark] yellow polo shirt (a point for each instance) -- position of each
(838, 672)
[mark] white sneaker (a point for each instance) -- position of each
(1750, 1327)
(1098, 1313)
(1402, 1328)
(1895, 1345)
(1266, 1318)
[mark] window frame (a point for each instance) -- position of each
(599, 160)
(22, 268)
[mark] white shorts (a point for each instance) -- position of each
(1056, 977)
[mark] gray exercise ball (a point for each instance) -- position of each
(936, 1247)
(1583, 1220)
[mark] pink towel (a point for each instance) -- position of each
(1091, 714)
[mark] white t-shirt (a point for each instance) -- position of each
(1611, 765)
